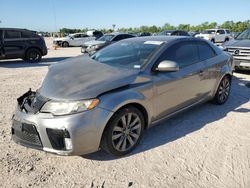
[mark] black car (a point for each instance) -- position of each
(144, 34)
(21, 43)
(173, 33)
(92, 46)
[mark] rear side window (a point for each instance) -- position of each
(228, 31)
(128, 36)
(205, 51)
(183, 53)
(77, 36)
(12, 34)
(119, 37)
(28, 34)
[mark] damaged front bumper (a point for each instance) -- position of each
(74, 134)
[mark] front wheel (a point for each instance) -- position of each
(223, 91)
(123, 132)
(65, 44)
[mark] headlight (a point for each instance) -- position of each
(63, 108)
(96, 46)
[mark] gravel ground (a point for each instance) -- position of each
(208, 146)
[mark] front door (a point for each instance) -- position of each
(177, 90)
(220, 37)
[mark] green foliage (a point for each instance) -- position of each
(231, 25)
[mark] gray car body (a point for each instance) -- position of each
(159, 95)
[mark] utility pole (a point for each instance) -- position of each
(113, 27)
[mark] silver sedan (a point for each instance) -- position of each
(108, 100)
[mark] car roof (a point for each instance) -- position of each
(21, 29)
(115, 34)
(165, 39)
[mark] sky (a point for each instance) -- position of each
(51, 15)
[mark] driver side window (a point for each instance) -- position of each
(183, 53)
(77, 36)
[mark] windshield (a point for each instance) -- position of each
(208, 32)
(244, 35)
(167, 32)
(127, 54)
(106, 38)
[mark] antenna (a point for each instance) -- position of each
(54, 14)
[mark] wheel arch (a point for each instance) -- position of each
(223, 75)
(137, 105)
(32, 47)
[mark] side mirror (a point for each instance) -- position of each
(72, 38)
(167, 66)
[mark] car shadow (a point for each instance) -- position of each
(19, 63)
(186, 123)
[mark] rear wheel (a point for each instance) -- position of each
(33, 55)
(223, 91)
(123, 132)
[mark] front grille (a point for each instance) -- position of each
(25, 134)
(239, 52)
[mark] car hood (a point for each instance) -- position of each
(238, 43)
(83, 78)
(61, 38)
(94, 42)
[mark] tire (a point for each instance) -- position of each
(65, 44)
(33, 55)
(123, 132)
(223, 91)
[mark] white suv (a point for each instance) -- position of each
(215, 35)
(76, 39)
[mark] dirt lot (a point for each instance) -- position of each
(209, 146)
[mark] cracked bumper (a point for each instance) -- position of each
(85, 130)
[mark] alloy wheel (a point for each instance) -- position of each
(34, 56)
(224, 90)
(126, 132)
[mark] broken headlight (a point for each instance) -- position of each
(63, 108)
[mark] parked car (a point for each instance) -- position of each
(235, 34)
(95, 45)
(240, 49)
(173, 33)
(108, 100)
(76, 39)
(21, 43)
(215, 35)
(144, 34)
(193, 33)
